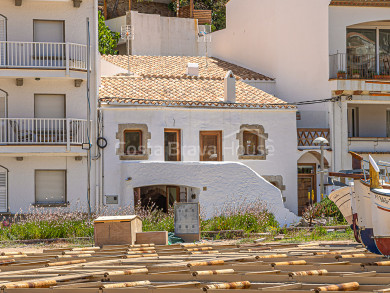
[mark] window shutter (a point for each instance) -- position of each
(49, 106)
(50, 186)
(3, 191)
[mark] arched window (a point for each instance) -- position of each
(3, 38)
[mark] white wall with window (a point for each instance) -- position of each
(44, 180)
(190, 124)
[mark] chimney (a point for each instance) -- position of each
(230, 88)
(193, 69)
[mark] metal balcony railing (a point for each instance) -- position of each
(365, 66)
(43, 55)
(42, 131)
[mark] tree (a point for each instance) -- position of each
(108, 39)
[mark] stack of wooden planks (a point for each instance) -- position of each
(196, 268)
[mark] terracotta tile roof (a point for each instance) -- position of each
(175, 66)
(366, 3)
(182, 92)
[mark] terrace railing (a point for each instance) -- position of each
(364, 66)
(306, 136)
(42, 131)
(43, 55)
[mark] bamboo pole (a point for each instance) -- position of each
(352, 286)
(288, 263)
(64, 263)
(30, 284)
(235, 285)
(309, 273)
(216, 272)
(206, 263)
(126, 272)
(125, 284)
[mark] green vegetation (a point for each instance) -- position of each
(108, 39)
(250, 217)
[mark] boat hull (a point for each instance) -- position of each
(364, 214)
(367, 238)
(380, 203)
(342, 198)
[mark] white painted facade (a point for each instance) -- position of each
(232, 180)
(295, 48)
(156, 35)
(51, 69)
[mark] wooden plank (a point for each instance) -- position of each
(157, 238)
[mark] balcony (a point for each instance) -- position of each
(37, 55)
(306, 136)
(43, 131)
(354, 66)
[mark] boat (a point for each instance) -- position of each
(364, 215)
(380, 206)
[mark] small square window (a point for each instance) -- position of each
(133, 142)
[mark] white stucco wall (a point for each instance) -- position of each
(21, 179)
(281, 143)
(20, 19)
(291, 47)
(157, 35)
(226, 183)
(21, 99)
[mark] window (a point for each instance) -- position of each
(172, 147)
(51, 31)
(49, 106)
(211, 145)
(50, 187)
(252, 142)
(353, 122)
(133, 142)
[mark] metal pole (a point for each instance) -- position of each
(322, 171)
(128, 54)
(88, 119)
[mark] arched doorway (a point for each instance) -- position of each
(3, 189)
(308, 165)
(3, 38)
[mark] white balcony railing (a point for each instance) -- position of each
(42, 131)
(43, 55)
(369, 144)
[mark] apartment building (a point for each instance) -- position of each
(44, 132)
(335, 52)
(191, 129)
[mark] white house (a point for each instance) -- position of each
(316, 50)
(43, 102)
(190, 129)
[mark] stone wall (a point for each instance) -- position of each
(148, 7)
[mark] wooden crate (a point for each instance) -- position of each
(157, 238)
(116, 230)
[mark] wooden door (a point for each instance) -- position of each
(172, 147)
(173, 194)
(305, 185)
(211, 145)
